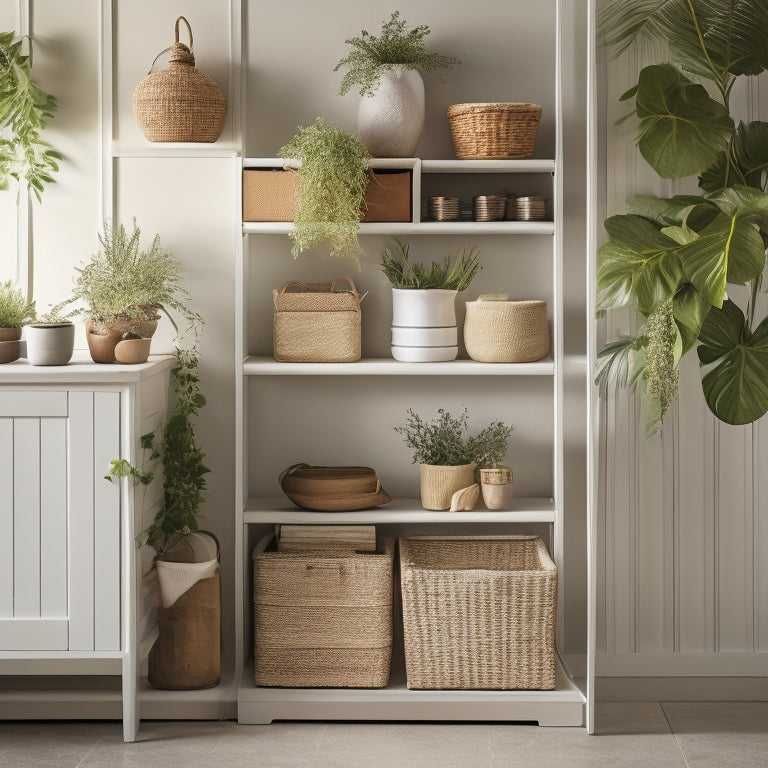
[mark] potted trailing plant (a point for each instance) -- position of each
(24, 112)
(448, 454)
(423, 301)
(187, 652)
(385, 69)
(15, 312)
(333, 172)
(50, 338)
(677, 260)
(123, 288)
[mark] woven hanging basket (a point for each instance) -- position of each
(180, 103)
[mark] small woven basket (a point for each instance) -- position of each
(180, 103)
(506, 331)
(478, 612)
(322, 619)
(494, 131)
(439, 483)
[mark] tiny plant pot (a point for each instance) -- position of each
(496, 486)
(50, 344)
(102, 341)
(439, 483)
(132, 351)
(10, 344)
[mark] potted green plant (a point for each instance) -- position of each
(333, 170)
(673, 259)
(496, 479)
(123, 288)
(24, 112)
(448, 454)
(423, 301)
(15, 312)
(187, 652)
(50, 338)
(385, 69)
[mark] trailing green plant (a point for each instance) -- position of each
(176, 448)
(15, 309)
(24, 112)
(672, 259)
(124, 280)
(334, 173)
(395, 46)
(445, 440)
(455, 272)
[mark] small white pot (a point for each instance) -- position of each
(423, 307)
(424, 337)
(49, 344)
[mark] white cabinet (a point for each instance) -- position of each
(70, 579)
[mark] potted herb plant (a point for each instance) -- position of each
(50, 338)
(423, 301)
(496, 479)
(123, 288)
(15, 312)
(333, 172)
(385, 69)
(673, 259)
(448, 454)
(186, 654)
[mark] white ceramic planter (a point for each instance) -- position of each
(424, 354)
(424, 337)
(390, 122)
(424, 325)
(49, 344)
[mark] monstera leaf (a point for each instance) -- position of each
(689, 311)
(736, 387)
(682, 128)
(694, 210)
(746, 162)
(637, 264)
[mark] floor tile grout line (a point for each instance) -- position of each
(315, 762)
(672, 731)
(88, 752)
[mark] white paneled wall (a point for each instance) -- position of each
(683, 543)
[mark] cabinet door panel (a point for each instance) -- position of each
(6, 517)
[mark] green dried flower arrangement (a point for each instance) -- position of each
(394, 46)
(455, 272)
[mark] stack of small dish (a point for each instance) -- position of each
(333, 489)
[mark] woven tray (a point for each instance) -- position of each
(478, 612)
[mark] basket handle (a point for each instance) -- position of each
(331, 286)
(352, 288)
(189, 31)
(182, 53)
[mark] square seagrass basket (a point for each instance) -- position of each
(478, 612)
(322, 619)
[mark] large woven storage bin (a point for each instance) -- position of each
(494, 131)
(322, 619)
(506, 331)
(478, 612)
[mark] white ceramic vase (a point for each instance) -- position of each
(390, 121)
(424, 325)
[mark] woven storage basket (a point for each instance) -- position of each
(506, 331)
(322, 619)
(491, 131)
(478, 612)
(180, 103)
(439, 483)
(317, 323)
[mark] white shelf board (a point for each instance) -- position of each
(488, 166)
(423, 228)
(563, 706)
(268, 366)
(390, 163)
(180, 149)
(281, 510)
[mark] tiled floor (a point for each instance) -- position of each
(631, 735)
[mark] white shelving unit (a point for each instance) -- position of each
(262, 382)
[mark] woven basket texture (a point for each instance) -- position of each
(506, 331)
(317, 323)
(493, 131)
(439, 483)
(180, 103)
(478, 612)
(322, 619)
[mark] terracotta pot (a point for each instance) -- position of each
(102, 341)
(132, 351)
(439, 483)
(10, 347)
(496, 485)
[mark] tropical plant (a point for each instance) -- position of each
(15, 310)
(177, 450)
(333, 170)
(122, 280)
(395, 46)
(673, 259)
(24, 112)
(444, 440)
(455, 272)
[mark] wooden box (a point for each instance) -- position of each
(269, 194)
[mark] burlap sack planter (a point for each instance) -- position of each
(439, 483)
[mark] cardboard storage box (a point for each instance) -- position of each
(269, 194)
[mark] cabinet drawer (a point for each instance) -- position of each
(21, 404)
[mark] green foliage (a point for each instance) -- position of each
(673, 259)
(15, 310)
(445, 441)
(455, 272)
(395, 46)
(334, 175)
(24, 112)
(124, 280)
(176, 448)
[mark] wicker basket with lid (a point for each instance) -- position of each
(180, 103)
